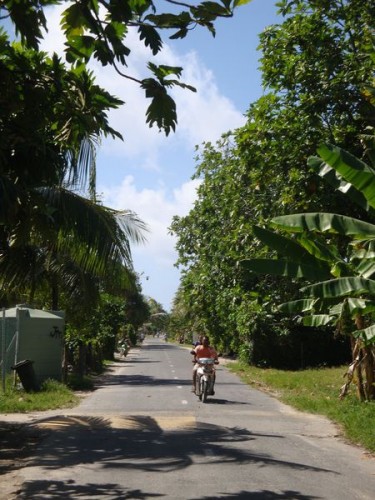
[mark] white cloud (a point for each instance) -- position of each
(156, 258)
(202, 116)
(154, 207)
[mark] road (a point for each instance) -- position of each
(142, 435)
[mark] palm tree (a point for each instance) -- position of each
(50, 121)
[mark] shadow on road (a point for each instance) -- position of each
(40, 490)
(216, 401)
(141, 380)
(144, 444)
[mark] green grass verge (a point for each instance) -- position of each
(52, 395)
(317, 391)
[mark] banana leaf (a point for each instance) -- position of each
(341, 287)
(337, 182)
(351, 169)
(315, 305)
(363, 249)
(298, 306)
(367, 335)
(282, 245)
(318, 320)
(319, 248)
(366, 268)
(325, 223)
(285, 268)
(355, 305)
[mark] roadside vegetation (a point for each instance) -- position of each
(316, 391)
(53, 395)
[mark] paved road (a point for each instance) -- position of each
(144, 435)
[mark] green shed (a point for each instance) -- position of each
(35, 335)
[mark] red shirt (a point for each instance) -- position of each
(205, 352)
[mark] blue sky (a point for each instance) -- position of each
(149, 173)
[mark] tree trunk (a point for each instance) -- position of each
(81, 368)
(369, 368)
(365, 370)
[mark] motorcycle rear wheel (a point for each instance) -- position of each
(198, 388)
(204, 391)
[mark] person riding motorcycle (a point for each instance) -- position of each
(203, 350)
(198, 342)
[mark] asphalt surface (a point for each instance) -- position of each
(142, 434)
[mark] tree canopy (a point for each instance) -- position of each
(98, 29)
(317, 67)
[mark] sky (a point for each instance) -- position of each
(151, 174)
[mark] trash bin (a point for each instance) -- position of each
(26, 373)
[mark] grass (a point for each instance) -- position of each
(317, 391)
(52, 395)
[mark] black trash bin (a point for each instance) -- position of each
(26, 373)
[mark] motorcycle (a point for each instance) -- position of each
(205, 380)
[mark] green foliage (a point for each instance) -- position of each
(325, 78)
(348, 280)
(92, 335)
(315, 95)
(99, 30)
(50, 236)
(128, 332)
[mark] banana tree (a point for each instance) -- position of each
(340, 278)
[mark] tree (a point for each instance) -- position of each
(347, 267)
(158, 318)
(98, 28)
(49, 119)
(261, 170)
(319, 59)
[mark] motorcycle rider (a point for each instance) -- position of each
(198, 342)
(204, 350)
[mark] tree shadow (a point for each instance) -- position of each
(159, 347)
(217, 401)
(141, 380)
(17, 443)
(40, 490)
(142, 444)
